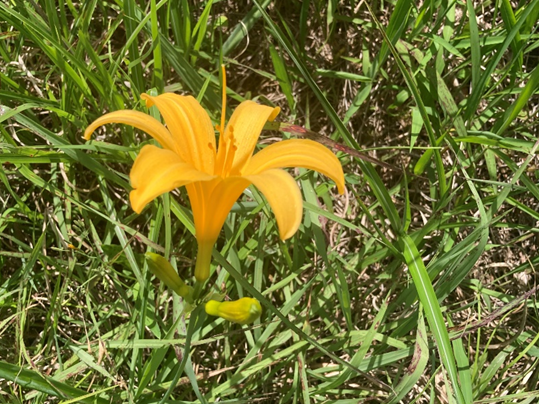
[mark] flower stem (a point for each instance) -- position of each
(202, 267)
(197, 290)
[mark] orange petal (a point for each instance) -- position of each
(139, 120)
(284, 197)
(298, 153)
(246, 124)
(211, 202)
(157, 171)
(190, 127)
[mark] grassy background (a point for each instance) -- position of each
(417, 286)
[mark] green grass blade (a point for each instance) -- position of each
(450, 106)
(417, 366)
(523, 98)
(32, 380)
(75, 154)
(200, 30)
(433, 312)
(304, 70)
(241, 30)
(465, 375)
(395, 28)
(282, 76)
(132, 31)
(189, 75)
(481, 87)
(267, 304)
(474, 44)
(412, 86)
(509, 20)
(360, 353)
(157, 56)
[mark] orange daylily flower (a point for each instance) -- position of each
(216, 177)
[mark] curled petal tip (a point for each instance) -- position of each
(88, 133)
(148, 99)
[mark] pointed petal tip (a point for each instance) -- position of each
(274, 114)
(283, 195)
(135, 202)
(285, 236)
(341, 187)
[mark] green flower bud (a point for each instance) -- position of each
(242, 311)
(161, 268)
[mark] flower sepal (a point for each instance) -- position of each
(243, 311)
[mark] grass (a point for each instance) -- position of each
(416, 286)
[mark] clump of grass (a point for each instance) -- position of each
(417, 286)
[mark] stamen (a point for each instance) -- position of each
(213, 152)
(229, 158)
(222, 150)
(231, 148)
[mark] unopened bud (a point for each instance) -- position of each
(161, 268)
(242, 311)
